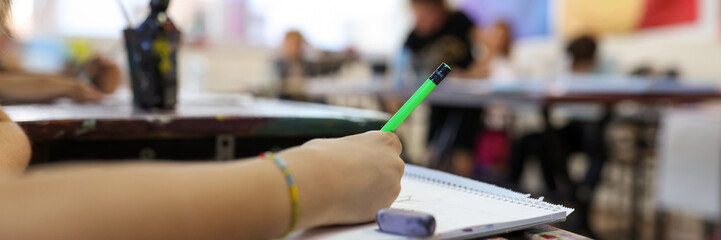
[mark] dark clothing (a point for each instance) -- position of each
(465, 123)
(450, 44)
(576, 136)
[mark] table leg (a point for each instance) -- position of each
(638, 180)
(446, 138)
(660, 225)
(553, 154)
(557, 153)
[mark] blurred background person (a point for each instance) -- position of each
(582, 53)
(583, 133)
(493, 143)
(295, 64)
(101, 76)
(442, 35)
(499, 43)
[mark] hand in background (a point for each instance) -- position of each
(104, 74)
(70, 87)
(83, 92)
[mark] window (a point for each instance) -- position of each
(372, 26)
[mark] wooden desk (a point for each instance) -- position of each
(480, 99)
(478, 93)
(201, 128)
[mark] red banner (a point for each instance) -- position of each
(668, 12)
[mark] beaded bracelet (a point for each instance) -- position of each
(293, 189)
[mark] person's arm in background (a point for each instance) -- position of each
(480, 67)
(104, 74)
(340, 181)
(14, 147)
(17, 84)
(22, 86)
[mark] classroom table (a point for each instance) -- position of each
(546, 102)
(200, 127)
(206, 126)
(477, 94)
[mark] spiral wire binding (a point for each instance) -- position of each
(526, 200)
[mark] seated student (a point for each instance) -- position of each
(492, 148)
(499, 43)
(576, 136)
(442, 35)
(293, 65)
(19, 85)
(339, 181)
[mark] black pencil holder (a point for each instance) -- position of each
(152, 64)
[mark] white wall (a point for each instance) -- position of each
(694, 49)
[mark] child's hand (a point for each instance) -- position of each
(64, 86)
(346, 180)
(105, 74)
(83, 92)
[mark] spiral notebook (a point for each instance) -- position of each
(463, 208)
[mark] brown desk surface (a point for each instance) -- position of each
(199, 116)
(472, 94)
(480, 99)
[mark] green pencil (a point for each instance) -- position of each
(430, 84)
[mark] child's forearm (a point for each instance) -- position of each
(23, 86)
(14, 147)
(340, 181)
(235, 200)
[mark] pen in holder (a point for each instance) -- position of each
(152, 51)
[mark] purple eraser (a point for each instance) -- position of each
(405, 222)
